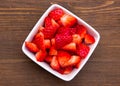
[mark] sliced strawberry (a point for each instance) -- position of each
(68, 20)
(77, 65)
(81, 30)
(82, 50)
(53, 42)
(53, 51)
(40, 29)
(40, 56)
(50, 28)
(67, 70)
(32, 47)
(39, 40)
(48, 59)
(56, 14)
(70, 47)
(63, 57)
(47, 43)
(74, 60)
(62, 39)
(89, 39)
(77, 38)
(54, 63)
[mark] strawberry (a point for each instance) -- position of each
(81, 30)
(47, 43)
(63, 57)
(82, 50)
(40, 28)
(68, 20)
(56, 14)
(52, 51)
(66, 29)
(50, 28)
(67, 70)
(77, 65)
(77, 38)
(70, 47)
(62, 39)
(39, 40)
(89, 39)
(48, 59)
(53, 41)
(32, 47)
(74, 60)
(40, 56)
(54, 63)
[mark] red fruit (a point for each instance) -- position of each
(52, 51)
(67, 70)
(32, 47)
(50, 28)
(56, 14)
(77, 65)
(70, 47)
(77, 38)
(81, 30)
(40, 28)
(82, 50)
(89, 39)
(63, 57)
(53, 42)
(54, 63)
(62, 39)
(74, 60)
(48, 59)
(40, 56)
(39, 40)
(47, 43)
(68, 20)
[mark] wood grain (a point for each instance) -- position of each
(17, 18)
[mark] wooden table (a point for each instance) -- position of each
(17, 18)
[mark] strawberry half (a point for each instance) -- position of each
(40, 56)
(81, 30)
(89, 39)
(74, 60)
(52, 51)
(32, 47)
(54, 63)
(82, 50)
(50, 28)
(67, 70)
(77, 38)
(47, 43)
(39, 40)
(70, 47)
(63, 57)
(63, 39)
(48, 59)
(68, 20)
(56, 14)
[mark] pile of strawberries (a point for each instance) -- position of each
(61, 42)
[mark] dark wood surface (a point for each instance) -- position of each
(17, 18)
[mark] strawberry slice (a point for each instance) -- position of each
(82, 50)
(53, 51)
(40, 56)
(63, 57)
(47, 43)
(70, 47)
(32, 47)
(89, 39)
(68, 20)
(77, 38)
(56, 14)
(50, 28)
(81, 30)
(40, 29)
(48, 59)
(67, 70)
(63, 39)
(53, 42)
(54, 63)
(39, 40)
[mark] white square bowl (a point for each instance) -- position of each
(44, 65)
